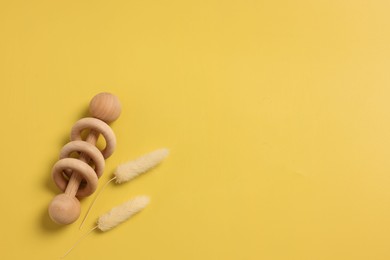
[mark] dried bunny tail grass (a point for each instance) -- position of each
(132, 169)
(116, 216)
(122, 212)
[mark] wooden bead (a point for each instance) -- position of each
(105, 106)
(64, 209)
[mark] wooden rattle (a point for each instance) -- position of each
(79, 177)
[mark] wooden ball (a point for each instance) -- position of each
(64, 209)
(105, 106)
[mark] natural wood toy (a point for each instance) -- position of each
(78, 177)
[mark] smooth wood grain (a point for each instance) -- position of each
(65, 208)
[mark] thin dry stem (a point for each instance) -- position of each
(78, 241)
(94, 200)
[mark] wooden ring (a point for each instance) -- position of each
(90, 150)
(98, 126)
(81, 168)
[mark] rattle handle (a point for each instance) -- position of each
(75, 178)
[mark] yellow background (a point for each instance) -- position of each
(276, 113)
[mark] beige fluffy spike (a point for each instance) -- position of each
(121, 213)
(116, 216)
(128, 171)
